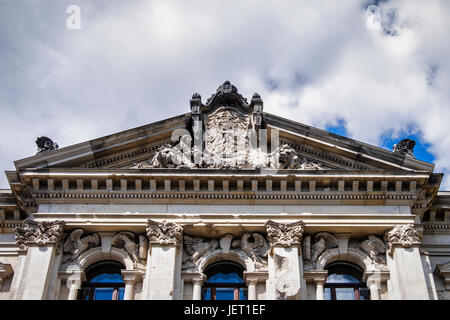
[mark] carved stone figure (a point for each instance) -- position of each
(164, 232)
(75, 245)
(256, 247)
(40, 233)
(284, 234)
(403, 235)
(323, 241)
(45, 144)
(126, 240)
(374, 247)
(197, 247)
(405, 147)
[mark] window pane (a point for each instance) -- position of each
(225, 278)
(345, 294)
(224, 293)
(107, 278)
(206, 293)
(327, 294)
(103, 293)
(243, 294)
(341, 278)
(121, 292)
(364, 294)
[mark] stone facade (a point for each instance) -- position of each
(225, 182)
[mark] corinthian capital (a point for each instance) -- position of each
(164, 232)
(40, 233)
(402, 235)
(284, 234)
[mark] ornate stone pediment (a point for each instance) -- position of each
(40, 233)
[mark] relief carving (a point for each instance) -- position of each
(375, 248)
(284, 234)
(403, 235)
(256, 247)
(75, 245)
(164, 232)
(40, 233)
(322, 241)
(253, 246)
(126, 240)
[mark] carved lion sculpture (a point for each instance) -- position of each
(284, 157)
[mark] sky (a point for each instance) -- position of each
(373, 71)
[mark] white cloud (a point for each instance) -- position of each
(137, 62)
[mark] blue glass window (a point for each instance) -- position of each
(224, 282)
(105, 282)
(344, 282)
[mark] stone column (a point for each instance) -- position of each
(319, 289)
(197, 287)
(164, 239)
(73, 280)
(130, 277)
(252, 279)
(374, 280)
(407, 281)
(41, 239)
(319, 277)
(285, 265)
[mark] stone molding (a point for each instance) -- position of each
(40, 233)
(404, 236)
(6, 271)
(164, 232)
(284, 234)
(443, 271)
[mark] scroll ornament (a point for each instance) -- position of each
(164, 232)
(40, 233)
(284, 234)
(403, 235)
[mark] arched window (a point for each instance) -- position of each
(344, 282)
(224, 282)
(104, 282)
